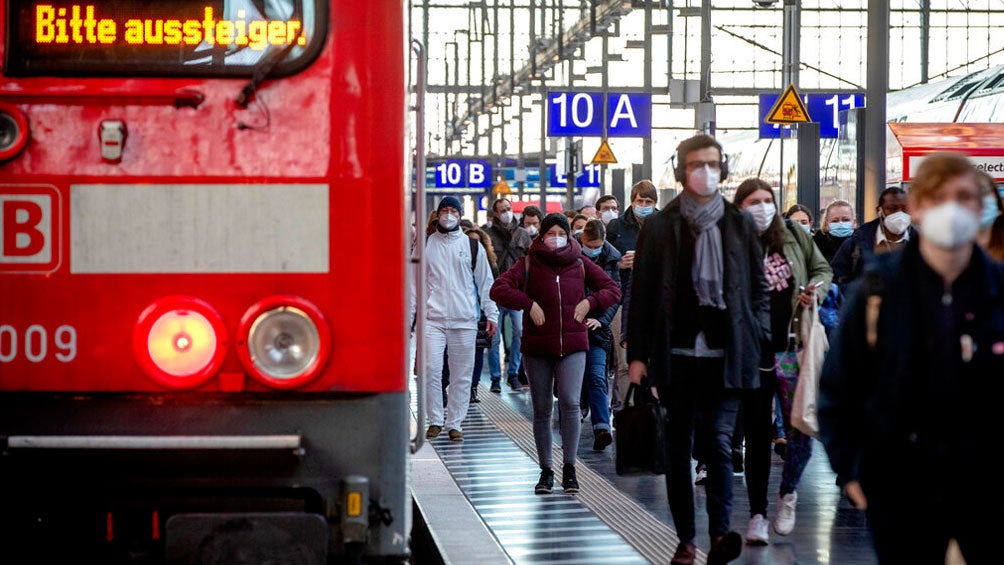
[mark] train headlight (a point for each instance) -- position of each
(284, 341)
(180, 341)
(13, 131)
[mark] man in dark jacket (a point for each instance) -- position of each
(890, 231)
(511, 243)
(623, 233)
(912, 383)
(699, 312)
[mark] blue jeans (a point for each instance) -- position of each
(494, 361)
(595, 384)
(515, 320)
(696, 386)
(479, 365)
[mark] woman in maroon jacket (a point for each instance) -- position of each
(549, 286)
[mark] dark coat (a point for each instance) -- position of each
(875, 402)
(828, 244)
(555, 282)
(858, 251)
(654, 285)
(606, 260)
(622, 233)
(510, 242)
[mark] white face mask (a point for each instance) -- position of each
(704, 181)
(532, 230)
(556, 241)
(448, 221)
(576, 232)
(949, 225)
(763, 214)
(806, 228)
(607, 215)
(505, 218)
(897, 223)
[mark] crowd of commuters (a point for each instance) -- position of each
(701, 300)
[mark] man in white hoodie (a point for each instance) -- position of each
(456, 296)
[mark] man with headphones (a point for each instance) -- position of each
(698, 314)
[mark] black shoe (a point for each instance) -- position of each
(496, 385)
(781, 448)
(725, 548)
(737, 460)
(514, 384)
(474, 395)
(568, 481)
(685, 554)
(601, 439)
(546, 482)
(702, 475)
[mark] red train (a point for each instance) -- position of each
(202, 327)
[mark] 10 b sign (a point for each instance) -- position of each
(581, 114)
(463, 173)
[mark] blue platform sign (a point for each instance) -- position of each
(581, 114)
(532, 177)
(590, 177)
(823, 108)
(458, 176)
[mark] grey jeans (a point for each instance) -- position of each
(541, 372)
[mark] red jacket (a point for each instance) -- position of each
(555, 282)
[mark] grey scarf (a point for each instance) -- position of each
(706, 270)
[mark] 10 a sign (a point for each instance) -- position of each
(823, 108)
(581, 114)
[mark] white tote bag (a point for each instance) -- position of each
(810, 365)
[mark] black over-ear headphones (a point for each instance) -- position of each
(680, 168)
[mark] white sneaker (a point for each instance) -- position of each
(756, 533)
(784, 520)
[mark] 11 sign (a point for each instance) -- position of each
(823, 108)
(581, 114)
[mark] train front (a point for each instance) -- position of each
(202, 333)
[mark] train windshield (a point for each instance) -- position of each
(182, 38)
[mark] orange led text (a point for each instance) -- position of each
(78, 25)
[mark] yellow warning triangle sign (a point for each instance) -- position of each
(789, 109)
(604, 156)
(501, 187)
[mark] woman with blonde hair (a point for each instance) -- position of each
(484, 341)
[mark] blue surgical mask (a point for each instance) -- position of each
(990, 212)
(642, 211)
(592, 252)
(806, 228)
(841, 229)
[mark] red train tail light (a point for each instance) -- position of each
(180, 341)
(284, 341)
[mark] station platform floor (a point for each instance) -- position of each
(477, 499)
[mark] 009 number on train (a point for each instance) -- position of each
(35, 345)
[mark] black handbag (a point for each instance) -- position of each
(640, 439)
(483, 340)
